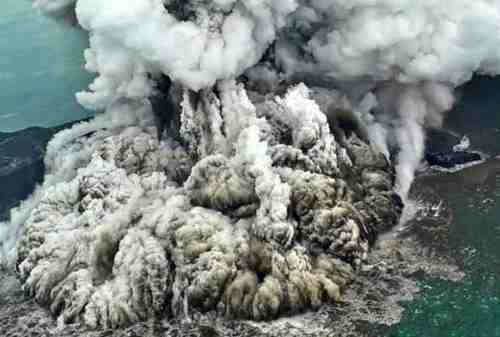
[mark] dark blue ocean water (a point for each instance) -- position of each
(40, 68)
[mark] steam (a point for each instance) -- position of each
(213, 219)
(195, 43)
(362, 46)
(65, 154)
(408, 109)
(260, 216)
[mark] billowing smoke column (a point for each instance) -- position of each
(358, 46)
(269, 193)
(257, 212)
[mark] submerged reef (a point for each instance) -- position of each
(254, 210)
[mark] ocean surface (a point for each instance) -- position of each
(469, 308)
(41, 68)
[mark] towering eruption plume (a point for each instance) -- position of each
(269, 193)
(358, 46)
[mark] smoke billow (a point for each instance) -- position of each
(408, 109)
(257, 211)
(356, 45)
(271, 193)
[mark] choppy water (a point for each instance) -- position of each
(470, 308)
(40, 69)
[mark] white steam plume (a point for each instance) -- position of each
(405, 42)
(65, 155)
(261, 208)
(400, 40)
(408, 109)
(198, 42)
(425, 48)
(216, 40)
(257, 217)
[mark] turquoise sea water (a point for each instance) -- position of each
(40, 69)
(470, 308)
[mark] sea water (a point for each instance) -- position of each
(469, 308)
(41, 68)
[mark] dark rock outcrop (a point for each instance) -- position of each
(452, 159)
(440, 150)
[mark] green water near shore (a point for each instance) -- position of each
(471, 307)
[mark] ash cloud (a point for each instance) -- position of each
(260, 216)
(358, 46)
(270, 194)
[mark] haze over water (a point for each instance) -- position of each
(41, 68)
